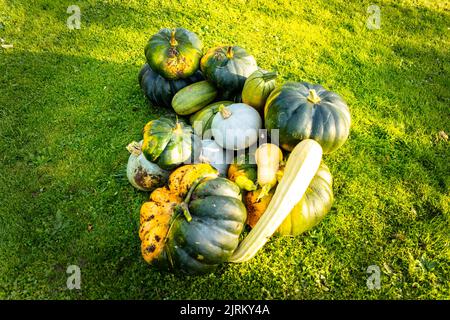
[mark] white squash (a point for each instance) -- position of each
(236, 126)
(268, 157)
(141, 173)
(301, 167)
(216, 156)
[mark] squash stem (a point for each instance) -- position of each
(224, 112)
(184, 206)
(313, 97)
(269, 76)
(134, 148)
(264, 191)
(178, 129)
(230, 52)
(173, 41)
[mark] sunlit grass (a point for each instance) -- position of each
(70, 102)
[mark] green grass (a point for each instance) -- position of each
(70, 102)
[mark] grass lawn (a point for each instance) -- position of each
(70, 103)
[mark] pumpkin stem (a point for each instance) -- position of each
(134, 148)
(224, 112)
(264, 192)
(178, 129)
(269, 76)
(184, 206)
(230, 52)
(313, 97)
(173, 41)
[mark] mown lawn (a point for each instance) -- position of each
(70, 103)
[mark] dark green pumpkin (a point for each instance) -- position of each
(192, 98)
(174, 53)
(228, 67)
(307, 111)
(170, 143)
(160, 91)
(202, 119)
(257, 88)
(216, 219)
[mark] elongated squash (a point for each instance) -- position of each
(194, 97)
(301, 168)
(268, 157)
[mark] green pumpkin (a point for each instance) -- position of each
(169, 143)
(193, 224)
(202, 119)
(313, 207)
(257, 88)
(160, 91)
(174, 53)
(228, 67)
(307, 111)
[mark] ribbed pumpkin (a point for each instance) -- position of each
(257, 89)
(307, 111)
(174, 53)
(194, 223)
(160, 91)
(228, 67)
(169, 143)
(311, 209)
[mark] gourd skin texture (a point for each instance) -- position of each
(160, 91)
(237, 130)
(192, 98)
(197, 246)
(306, 214)
(169, 143)
(289, 110)
(174, 54)
(228, 67)
(202, 119)
(257, 89)
(143, 174)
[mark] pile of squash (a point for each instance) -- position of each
(210, 167)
